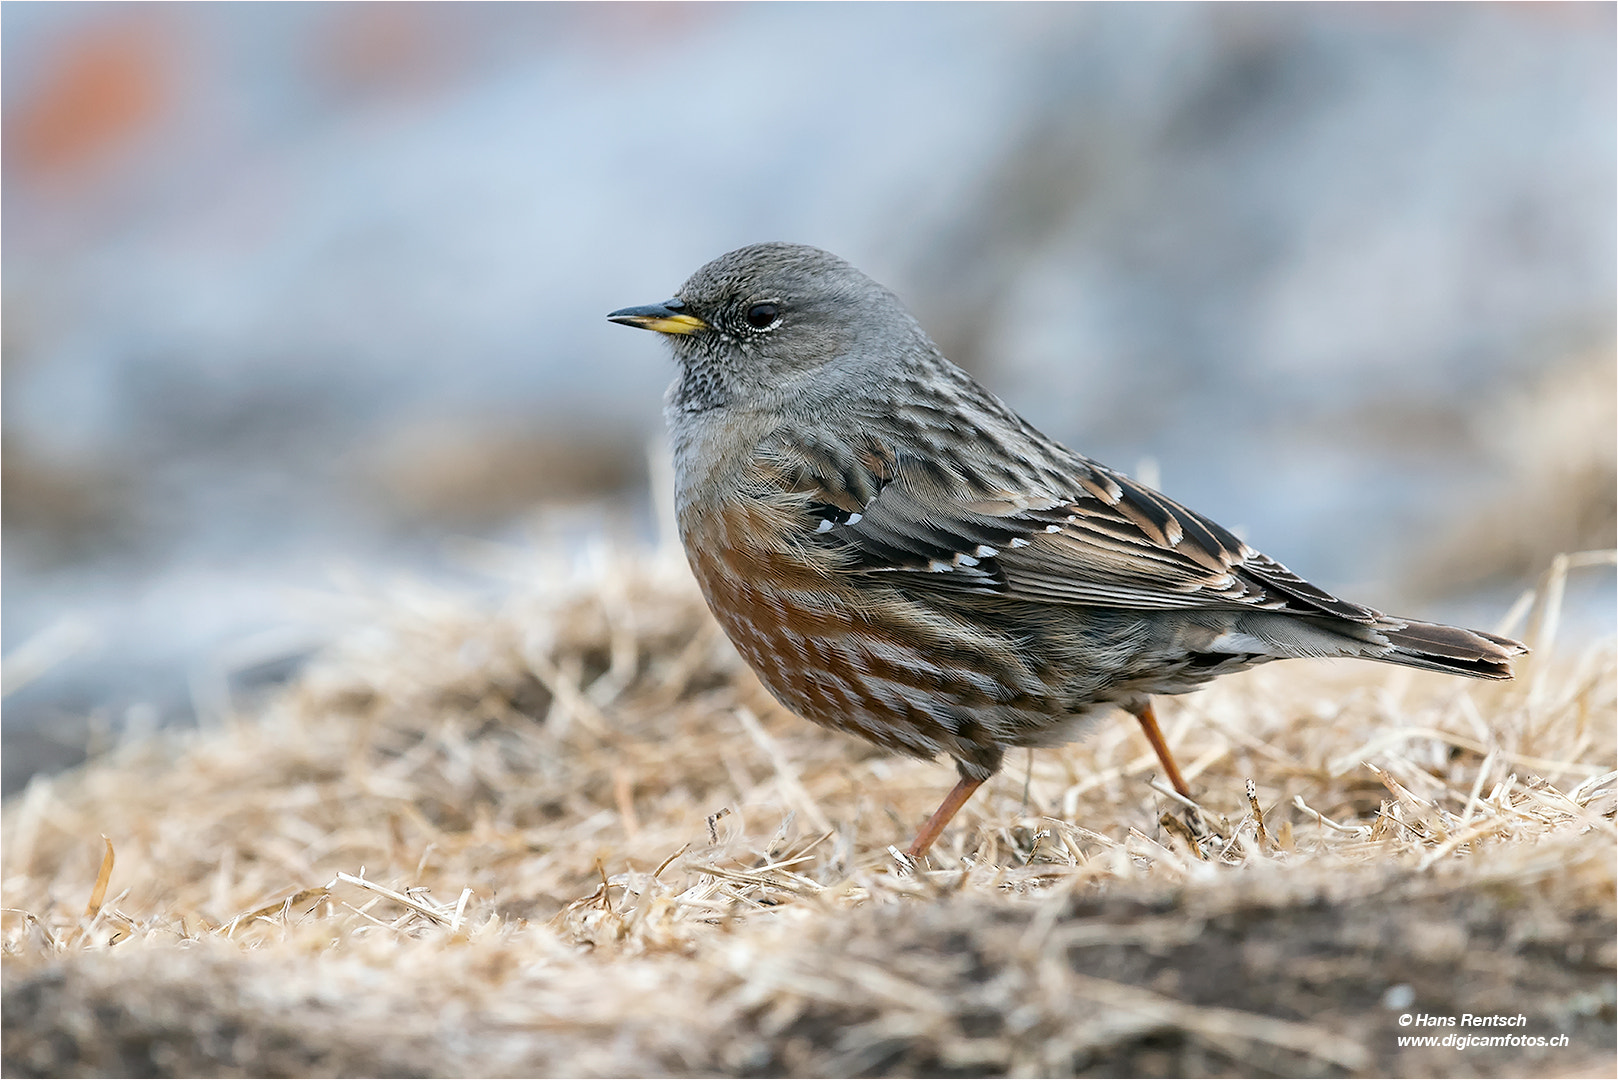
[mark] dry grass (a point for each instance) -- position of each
(573, 836)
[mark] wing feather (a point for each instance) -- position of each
(1103, 540)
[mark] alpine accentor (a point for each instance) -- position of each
(900, 555)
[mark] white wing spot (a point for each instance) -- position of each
(1053, 528)
(938, 565)
(984, 551)
(965, 560)
(826, 525)
(853, 519)
(1017, 542)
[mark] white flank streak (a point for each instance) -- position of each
(1235, 642)
(900, 698)
(893, 652)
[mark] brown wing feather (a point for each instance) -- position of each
(1106, 540)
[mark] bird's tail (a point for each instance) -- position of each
(1435, 647)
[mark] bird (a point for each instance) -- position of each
(898, 555)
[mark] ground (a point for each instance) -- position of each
(569, 834)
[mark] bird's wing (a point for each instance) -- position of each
(1099, 538)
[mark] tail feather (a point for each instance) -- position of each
(1435, 647)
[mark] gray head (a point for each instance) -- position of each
(774, 322)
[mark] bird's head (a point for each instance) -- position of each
(774, 322)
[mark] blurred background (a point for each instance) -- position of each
(302, 293)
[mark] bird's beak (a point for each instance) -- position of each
(666, 318)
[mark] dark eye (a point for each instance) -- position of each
(763, 316)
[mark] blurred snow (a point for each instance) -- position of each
(252, 250)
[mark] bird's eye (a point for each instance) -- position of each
(763, 316)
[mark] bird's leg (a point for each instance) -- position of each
(952, 803)
(1154, 735)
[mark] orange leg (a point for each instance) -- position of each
(1154, 735)
(952, 803)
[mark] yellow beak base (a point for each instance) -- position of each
(664, 318)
